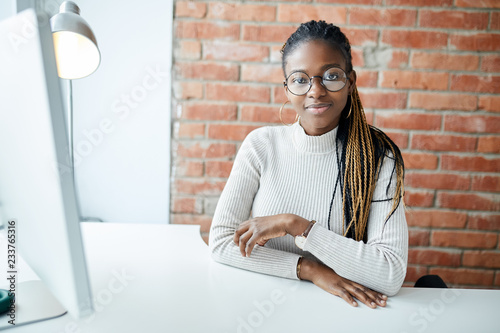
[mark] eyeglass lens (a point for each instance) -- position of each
(333, 80)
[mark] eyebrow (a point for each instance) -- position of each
(323, 68)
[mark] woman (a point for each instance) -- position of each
(320, 200)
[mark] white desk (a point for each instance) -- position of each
(158, 278)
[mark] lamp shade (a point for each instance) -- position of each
(77, 54)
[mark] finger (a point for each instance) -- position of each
(250, 245)
(346, 296)
(240, 231)
(362, 296)
(243, 242)
(372, 295)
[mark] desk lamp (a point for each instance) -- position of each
(76, 51)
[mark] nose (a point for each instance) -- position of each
(317, 88)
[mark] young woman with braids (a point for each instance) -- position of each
(320, 200)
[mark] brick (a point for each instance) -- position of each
(207, 30)
(266, 114)
(478, 3)
(486, 183)
(472, 124)
(187, 49)
(437, 101)
(436, 142)
(353, 2)
(476, 42)
(267, 33)
(207, 71)
(190, 9)
(203, 221)
(436, 218)
(414, 272)
(489, 103)
(444, 61)
(279, 96)
(209, 111)
(399, 59)
(366, 78)
(241, 12)
(434, 257)
(205, 149)
(303, 13)
(262, 73)
(383, 100)
(185, 168)
(400, 139)
(474, 83)
(495, 21)
(357, 57)
(418, 237)
(382, 17)
(470, 163)
(464, 276)
(415, 39)
(191, 130)
(469, 201)
(235, 51)
(220, 169)
(419, 198)
(486, 259)
(414, 80)
(497, 279)
(420, 161)
(199, 186)
(490, 63)
(361, 37)
(186, 205)
(484, 221)
(464, 239)
(437, 181)
(237, 93)
(188, 90)
(488, 144)
(420, 3)
(231, 132)
(403, 120)
(453, 19)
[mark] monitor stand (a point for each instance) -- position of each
(34, 303)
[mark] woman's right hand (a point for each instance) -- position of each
(326, 278)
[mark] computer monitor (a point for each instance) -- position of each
(36, 180)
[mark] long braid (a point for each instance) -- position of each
(364, 147)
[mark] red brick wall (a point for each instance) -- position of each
(429, 75)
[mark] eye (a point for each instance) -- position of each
(331, 76)
(300, 80)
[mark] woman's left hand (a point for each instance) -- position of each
(261, 229)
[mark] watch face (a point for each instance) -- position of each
(300, 241)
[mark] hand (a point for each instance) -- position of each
(326, 278)
(261, 229)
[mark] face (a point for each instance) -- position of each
(319, 109)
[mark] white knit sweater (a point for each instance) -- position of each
(281, 169)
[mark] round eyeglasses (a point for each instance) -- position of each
(299, 83)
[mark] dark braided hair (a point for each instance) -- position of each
(364, 147)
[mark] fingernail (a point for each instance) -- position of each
(373, 304)
(354, 304)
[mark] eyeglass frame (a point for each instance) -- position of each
(347, 76)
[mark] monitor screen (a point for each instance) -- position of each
(37, 197)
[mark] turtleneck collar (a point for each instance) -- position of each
(320, 144)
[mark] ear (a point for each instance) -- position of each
(286, 90)
(352, 81)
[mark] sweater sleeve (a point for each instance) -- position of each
(234, 207)
(380, 264)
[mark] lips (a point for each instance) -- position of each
(318, 108)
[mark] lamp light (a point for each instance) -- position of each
(76, 50)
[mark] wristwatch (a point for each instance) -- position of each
(300, 240)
